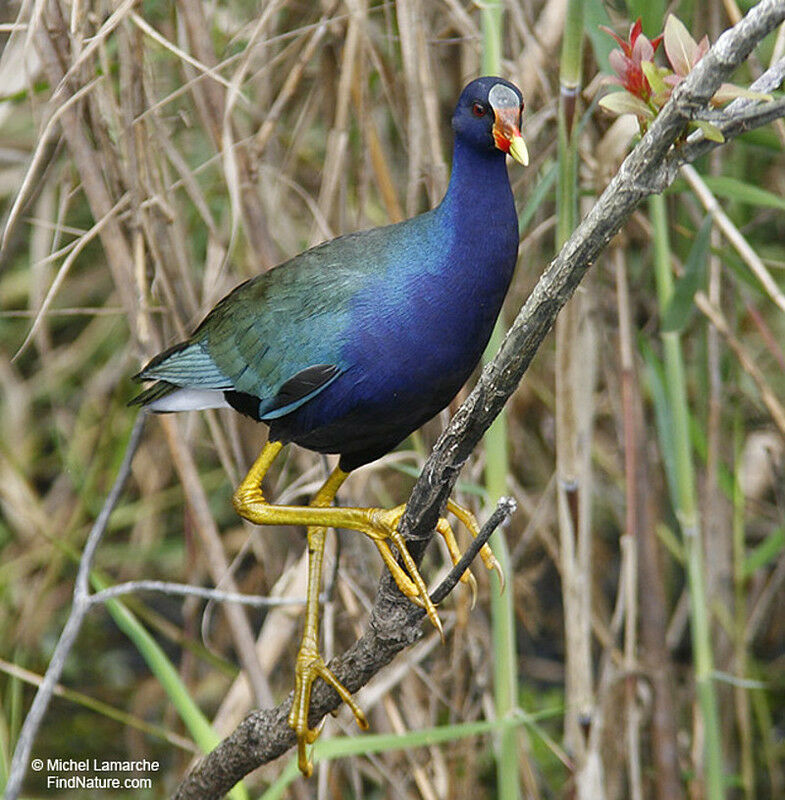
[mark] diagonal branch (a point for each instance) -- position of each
(394, 623)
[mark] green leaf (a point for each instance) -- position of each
(711, 132)
(625, 103)
(768, 550)
(729, 91)
(595, 15)
(677, 312)
(651, 12)
(654, 75)
(742, 192)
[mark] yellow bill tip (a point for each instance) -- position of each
(518, 150)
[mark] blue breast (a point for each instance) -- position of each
(418, 328)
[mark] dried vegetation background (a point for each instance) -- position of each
(195, 144)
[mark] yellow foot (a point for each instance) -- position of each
(310, 666)
(471, 524)
(386, 521)
(384, 529)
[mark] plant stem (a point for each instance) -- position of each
(686, 507)
(741, 694)
(575, 379)
(505, 661)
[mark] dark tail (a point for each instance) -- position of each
(158, 390)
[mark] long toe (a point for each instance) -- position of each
(471, 524)
(382, 528)
(311, 666)
(491, 562)
(445, 531)
(304, 763)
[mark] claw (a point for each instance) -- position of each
(469, 578)
(409, 581)
(304, 764)
(490, 561)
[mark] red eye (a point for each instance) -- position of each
(479, 110)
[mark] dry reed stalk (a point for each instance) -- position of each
(575, 376)
(211, 542)
(653, 655)
(209, 96)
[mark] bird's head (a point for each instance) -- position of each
(488, 116)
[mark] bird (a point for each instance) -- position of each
(352, 345)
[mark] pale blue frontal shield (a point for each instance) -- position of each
(502, 96)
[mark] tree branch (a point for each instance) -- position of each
(79, 608)
(394, 622)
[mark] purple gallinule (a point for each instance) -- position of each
(350, 346)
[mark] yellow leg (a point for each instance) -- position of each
(381, 525)
(378, 524)
(310, 663)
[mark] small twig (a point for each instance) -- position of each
(504, 509)
(185, 589)
(81, 605)
(740, 115)
(768, 81)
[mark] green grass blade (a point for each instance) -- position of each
(346, 746)
(197, 724)
(741, 192)
(505, 661)
(683, 484)
(677, 311)
(766, 552)
(541, 191)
